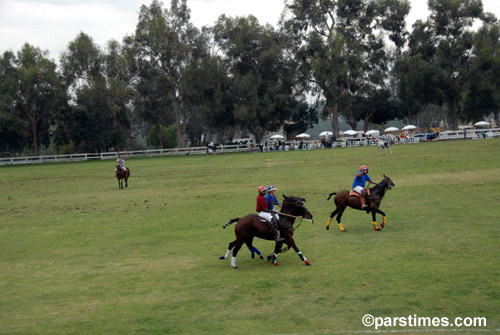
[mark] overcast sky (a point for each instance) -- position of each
(52, 24)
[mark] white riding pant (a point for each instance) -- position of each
(358, 189)
(268, 216)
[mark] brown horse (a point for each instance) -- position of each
(120, 175)
(343, 199)
(252, 226)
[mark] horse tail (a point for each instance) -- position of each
(229, 222)
(331, 195)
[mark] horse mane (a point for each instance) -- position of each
(379, 189)
(291, 199)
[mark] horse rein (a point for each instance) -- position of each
(296, 217)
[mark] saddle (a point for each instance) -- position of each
(356, 194)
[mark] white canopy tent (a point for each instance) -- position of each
(326, 133)
(409, 127)
(482, 124)
(388, 130)
(372, 132)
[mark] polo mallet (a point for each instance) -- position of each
(270, 171)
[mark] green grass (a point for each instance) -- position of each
(79, 256)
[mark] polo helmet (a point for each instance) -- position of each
(261, 188)
(363, 167)
(271, 188)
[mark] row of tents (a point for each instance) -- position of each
(348, 132)
(368, 133)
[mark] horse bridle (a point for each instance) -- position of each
(297, 204)
(388, 186)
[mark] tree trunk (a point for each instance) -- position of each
(368, 118)
(180, 125)
(34, 139)
(454, 115)
(334, 119)
(353, 124)
(159, 133)
(496, 117)
(408, 109)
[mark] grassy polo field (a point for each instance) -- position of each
(80, 256)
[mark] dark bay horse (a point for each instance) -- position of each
(251, 226)
(343, 199)
(120, 175)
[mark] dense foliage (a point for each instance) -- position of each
(355, 58)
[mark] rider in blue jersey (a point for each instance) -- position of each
(359, 184)
(271, 198)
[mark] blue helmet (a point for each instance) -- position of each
(271, 188)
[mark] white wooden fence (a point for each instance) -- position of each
(113, 155)
(475, 134)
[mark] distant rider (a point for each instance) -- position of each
(266, 214)
(121, 162)
(359, 184)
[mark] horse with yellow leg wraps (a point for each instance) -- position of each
(344, 198)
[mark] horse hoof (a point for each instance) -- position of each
(327, 227)
(344, 231)
(222, 257)
(307, 262)
(269, 258)
(382, 225)
(253, 255)
(378, 229)
(261, 257)
(276, 264)
(235, 267)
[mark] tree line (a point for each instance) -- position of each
(181, 84)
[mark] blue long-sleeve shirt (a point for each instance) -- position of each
(361, 180)
(271, 201)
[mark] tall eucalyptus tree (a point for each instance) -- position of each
(343, 47)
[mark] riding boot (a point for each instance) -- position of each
(275, 230)
(363, 201)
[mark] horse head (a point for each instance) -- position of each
(388, 182)
(118, 171)
(295, 206)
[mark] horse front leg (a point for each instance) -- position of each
(301, 256)
(383, 217)
(374, 220)
(274, 256)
